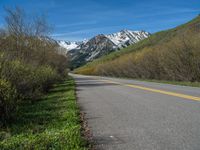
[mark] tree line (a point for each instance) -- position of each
(30, 61)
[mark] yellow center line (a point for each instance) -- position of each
(156, 90)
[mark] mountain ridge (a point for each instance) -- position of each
(101, 44)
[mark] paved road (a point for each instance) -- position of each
(136, 115)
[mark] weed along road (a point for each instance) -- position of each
(136, 115)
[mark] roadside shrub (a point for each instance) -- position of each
(29, 81)
(86, 70)
(23, 81)
(8, 97)
(44, 77)
(20, 76)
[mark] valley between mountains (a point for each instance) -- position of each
(86, 51)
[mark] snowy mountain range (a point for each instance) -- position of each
(88, 50)
(127, 37)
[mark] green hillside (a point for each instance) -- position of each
(168, 55)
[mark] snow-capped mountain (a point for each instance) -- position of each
(127, 37)
(104, 44)
(69, 45)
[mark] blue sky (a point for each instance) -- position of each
(76, 20)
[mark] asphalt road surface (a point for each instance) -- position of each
(136, 115)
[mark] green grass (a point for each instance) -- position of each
(183, 83)
(53, 122)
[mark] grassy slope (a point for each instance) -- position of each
(154, 39)
(51, 123)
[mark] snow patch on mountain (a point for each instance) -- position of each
(93, 55)
(71, 45)
(68, 45)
